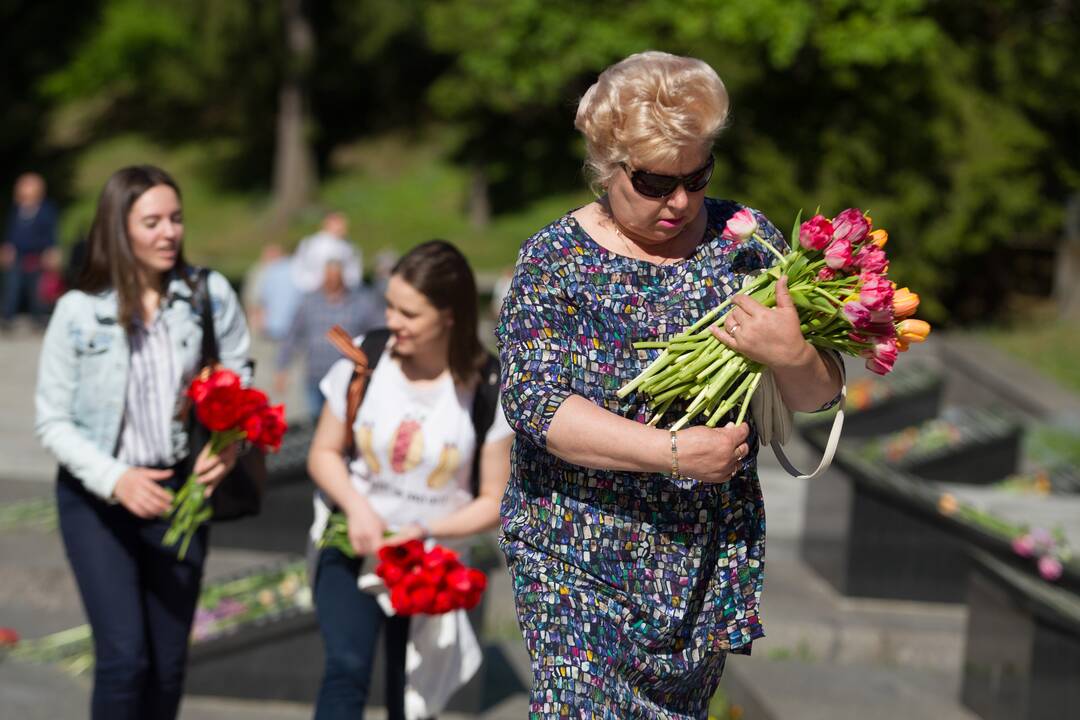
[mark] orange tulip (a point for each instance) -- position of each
(912, 331)
(904, 303)
(879, 237)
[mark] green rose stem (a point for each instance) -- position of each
(190, 508)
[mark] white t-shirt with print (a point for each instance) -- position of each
(414, 441)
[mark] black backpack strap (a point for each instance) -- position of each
(201, 293)
(485, 405)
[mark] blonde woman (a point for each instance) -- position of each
(636, 554)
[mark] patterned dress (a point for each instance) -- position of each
(630, 587)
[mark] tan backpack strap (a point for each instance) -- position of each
(361, 372)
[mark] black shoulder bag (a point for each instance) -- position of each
(240, 493)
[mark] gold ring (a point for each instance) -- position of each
(734, 328)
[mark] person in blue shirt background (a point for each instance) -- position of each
(29, 237)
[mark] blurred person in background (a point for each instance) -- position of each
(412, 463)
(270, 294)
(637, 553)
(334, 303)
(331, 242)
(118, 355)
(29, 238)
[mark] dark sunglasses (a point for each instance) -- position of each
(653, 185)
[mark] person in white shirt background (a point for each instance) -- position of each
(330, 243)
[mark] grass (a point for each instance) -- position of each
(1049, 346)
(396, 192)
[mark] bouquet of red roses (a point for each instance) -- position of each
(429, 582)
(231, 413)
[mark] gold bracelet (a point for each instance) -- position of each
(674, 454)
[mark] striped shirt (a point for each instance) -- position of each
(150, 402)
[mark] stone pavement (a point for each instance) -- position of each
(825, 656)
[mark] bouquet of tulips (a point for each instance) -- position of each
(428, 581)
(231, 413)
(837, 276)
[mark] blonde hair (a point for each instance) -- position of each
(649, 108)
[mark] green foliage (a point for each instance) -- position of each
(956, 124)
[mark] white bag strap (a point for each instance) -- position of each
(830, 445)
(774, 420)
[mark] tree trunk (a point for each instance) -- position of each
(1067, 267)
(479, 201)
(294, 159)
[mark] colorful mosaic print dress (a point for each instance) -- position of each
(630, 587)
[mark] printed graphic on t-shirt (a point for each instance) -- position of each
(449, 462)
(366, 445)
(408, 446)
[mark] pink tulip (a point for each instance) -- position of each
(1042, 537)
(740, 226)
(826, 274)
(1024, 546)
(876, 293)
(878, 367)
(1050, 568)
(838, 254)
(871, 258)
(815, 233)
(857, 314)
(851, 226)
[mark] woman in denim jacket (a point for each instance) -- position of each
(116, 358)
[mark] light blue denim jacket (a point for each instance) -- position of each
(83, 373)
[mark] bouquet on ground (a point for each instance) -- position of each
(837, 277)
(231, 413)
(420, 581)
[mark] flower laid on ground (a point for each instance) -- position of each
(1048, 549)
(9, 637)
(232, 413)
(837, 277)
(423, 581)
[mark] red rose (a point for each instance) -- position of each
(472, 599)
(440, 556)
(458, 580)
(422, 599)
(391, 574)
(477, 580)
(202, 384)
(266, 427)
(405, 554)
(444, 602)
(217, 410)
(402, 602)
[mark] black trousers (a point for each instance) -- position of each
(139, 598)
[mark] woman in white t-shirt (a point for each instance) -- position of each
(410, 471)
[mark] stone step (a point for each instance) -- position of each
(794, 689)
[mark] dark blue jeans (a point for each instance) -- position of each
(22, 285)
(140, 601)
(350, 621)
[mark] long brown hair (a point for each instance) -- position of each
(110, 263)
(441, 273)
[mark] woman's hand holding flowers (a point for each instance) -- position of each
(770, 336)
(712, 455)
(211, 468)
(366, 528)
